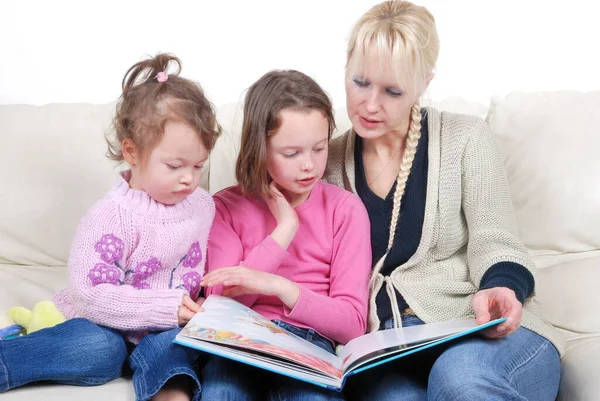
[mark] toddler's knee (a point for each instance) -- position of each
(104, 349)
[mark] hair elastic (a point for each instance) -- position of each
(162, 77)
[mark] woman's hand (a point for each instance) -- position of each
(495, 303)
(188, 309)
(243, 280)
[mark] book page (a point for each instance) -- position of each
(228, 322)
(380, 343)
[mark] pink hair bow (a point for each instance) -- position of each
(162, 77)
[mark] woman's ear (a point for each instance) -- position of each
(130, 152)
(429, 78)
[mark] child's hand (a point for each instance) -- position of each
(285, 215)
(187, 310)
(200, 302)
(280, 207)
(243, 280)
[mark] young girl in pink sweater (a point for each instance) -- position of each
(139, 253)
(292, 248)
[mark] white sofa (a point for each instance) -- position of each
(52, 167)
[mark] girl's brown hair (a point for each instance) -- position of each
(266, 98)
(147, 105)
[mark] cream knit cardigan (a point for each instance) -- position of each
(469, 223)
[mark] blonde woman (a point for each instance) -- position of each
(443, 234)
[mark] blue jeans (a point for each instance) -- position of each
(81, 353)
(224, 379)
(522, 366)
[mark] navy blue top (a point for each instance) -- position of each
(410, 227)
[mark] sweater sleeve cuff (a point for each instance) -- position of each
(164, 309)
(302, 307)
(510, 275)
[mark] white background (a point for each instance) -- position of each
(67, 51)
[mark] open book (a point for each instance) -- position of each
(232, 330)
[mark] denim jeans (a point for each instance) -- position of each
(79, 352)
(522, 366)
(224, 379)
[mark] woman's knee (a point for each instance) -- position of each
(521, 366)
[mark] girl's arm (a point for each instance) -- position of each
(96, 277)
(342, 315)
(225, 249)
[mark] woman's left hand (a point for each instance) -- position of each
(243, 280)
(495, 303)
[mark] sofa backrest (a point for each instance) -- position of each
(53, 167)
(550, 143)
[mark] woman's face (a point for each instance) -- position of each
(377, 103)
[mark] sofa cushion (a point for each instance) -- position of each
(550, 144)
(27, 285)
(580, 368)
(52, 159)
(117, 390)
(567, 294)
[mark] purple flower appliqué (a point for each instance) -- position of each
(146, 269)
(102, 273)
(110, 248)
(194, 256)
(141, 285)
(191, 281)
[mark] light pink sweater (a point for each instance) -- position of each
(330, 257)
(133, 259)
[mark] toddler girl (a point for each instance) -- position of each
(138, 255)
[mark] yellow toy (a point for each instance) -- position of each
(43, 315)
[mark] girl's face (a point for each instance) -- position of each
(297, 153)
(172, 170)
(376, 102)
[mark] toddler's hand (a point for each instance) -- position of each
(187, 310)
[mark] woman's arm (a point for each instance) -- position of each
(498, 261)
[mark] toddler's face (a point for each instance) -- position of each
(172, 170)
(297, 153)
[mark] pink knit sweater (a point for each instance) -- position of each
(133, 259)
(329, 257)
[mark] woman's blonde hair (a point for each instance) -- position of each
(405, 34)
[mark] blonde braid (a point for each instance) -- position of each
(412, 140)
(414, 133)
